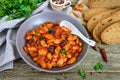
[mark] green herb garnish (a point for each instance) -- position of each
(38, 44)
(41, 37)
(60, 51)
(98, 66)
(82, 74)
(51, 31)
(17, 8)
(63, 51)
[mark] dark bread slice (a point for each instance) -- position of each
(92, 12)
(95, 19)
(104, 3)
(103, 24)
(111, 35)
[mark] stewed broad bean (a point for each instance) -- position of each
(51, 46)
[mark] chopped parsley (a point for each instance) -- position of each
(38, 44)
(98, 66)
(82, 74)
(63, 51)
(41, 37)
(51, 31)
(17, 8)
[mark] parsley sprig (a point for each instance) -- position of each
(82, 74)
(98, 66)
(63, 51)
(41, 37)
(17, 8)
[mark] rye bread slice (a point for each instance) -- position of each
(104, 3)
(95, 19)
(103, 24)
(92, 12)
(111, 35)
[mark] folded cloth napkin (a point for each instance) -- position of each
(8, 31)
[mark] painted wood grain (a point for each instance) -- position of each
(111, 71)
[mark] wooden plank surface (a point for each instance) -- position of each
(111, 71)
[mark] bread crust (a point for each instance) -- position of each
(95, 19)
(92, 12)
(111, 35)
(104, 3)
(103, 24)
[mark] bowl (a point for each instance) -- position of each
(38, 19)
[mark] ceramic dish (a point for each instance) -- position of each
(38, 19)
